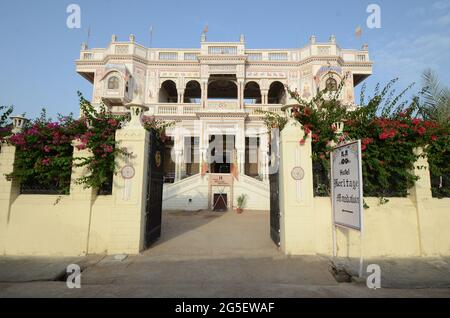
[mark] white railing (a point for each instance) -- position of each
(255, 109)
(177, 109)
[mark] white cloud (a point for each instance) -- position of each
(444, 20)
(441, 5)
(416, 12)
(407, 57)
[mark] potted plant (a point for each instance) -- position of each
(241, 200)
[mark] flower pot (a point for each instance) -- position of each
(239, 210)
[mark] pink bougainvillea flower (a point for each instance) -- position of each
(46, 162)
(421, 131)
(416, 121)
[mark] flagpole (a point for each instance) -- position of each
(88, 35)
(151, 36)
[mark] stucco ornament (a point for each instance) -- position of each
(128, 172)
(298, 173)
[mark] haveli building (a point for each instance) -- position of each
(215, 93)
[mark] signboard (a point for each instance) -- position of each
(221, 180)
(347, 186)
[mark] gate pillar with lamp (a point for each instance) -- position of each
(130, 185)
(297, 222)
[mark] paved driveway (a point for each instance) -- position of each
(214, 234)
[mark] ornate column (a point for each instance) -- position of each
(204, 93)
(240, 93)
(264, 94)
(180, 95)
(264, 149)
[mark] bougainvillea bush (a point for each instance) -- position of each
(99, 138)
(44, 150)
(390, 131)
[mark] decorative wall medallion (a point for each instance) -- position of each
(158, 159)
(298, 173)
(128, 172)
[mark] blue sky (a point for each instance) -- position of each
(38, 50)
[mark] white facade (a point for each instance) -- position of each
(216, 90)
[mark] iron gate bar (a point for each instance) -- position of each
(155, 180)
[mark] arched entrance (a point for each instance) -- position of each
(222, 88)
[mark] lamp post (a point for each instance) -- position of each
(137, 110)
(18, 123)
(287, 108)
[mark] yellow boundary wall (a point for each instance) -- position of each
(417, 225)
(83, 222)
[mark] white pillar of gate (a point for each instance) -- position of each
(128, 214)
(297, 222)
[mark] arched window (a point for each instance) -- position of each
(168, 92)
(277, 93)
(331, 85)
(193, 92)
(113, 82)
(252, 93)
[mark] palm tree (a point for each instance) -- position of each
(436, 101)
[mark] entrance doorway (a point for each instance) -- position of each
(220, 202)
(220, 153)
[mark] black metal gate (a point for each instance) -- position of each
(275, 208)
(153, 210)
(274, 192)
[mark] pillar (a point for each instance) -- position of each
(128, 213)
(297, 223)
(9, 190)
(264, 142)
(240, 94)
(180, 95)
(82, 200)
(421, 196)
(264, 97)
(204, 93)
(179, 160)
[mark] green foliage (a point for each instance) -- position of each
(435, 104)
(99, 138)
(438, 154)
(273, 120)
(158, 126)
(241, 201)
(5, 127)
